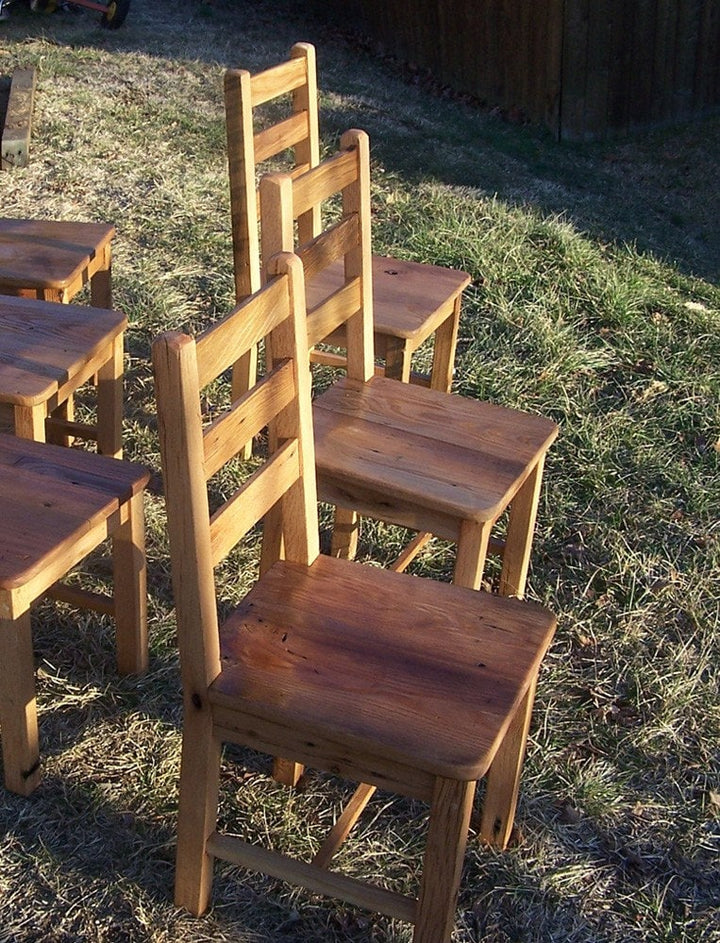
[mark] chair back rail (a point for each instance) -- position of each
(192, 454)
(299, 132)
(284, 199)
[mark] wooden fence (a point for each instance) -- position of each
(586, 68)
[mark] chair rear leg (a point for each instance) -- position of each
(345, 534)
(244, 377)
(397, 358)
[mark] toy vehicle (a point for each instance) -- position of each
(113, 11)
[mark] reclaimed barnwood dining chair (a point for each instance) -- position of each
(57, 505)
(49, 350)
(412, 301)
(440, 679)
(423, 459)
(53, 259)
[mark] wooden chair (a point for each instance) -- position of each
(57, 505)
(411, 301)
(53, 259)
(423, 459)
(49, 350)
(407, 684)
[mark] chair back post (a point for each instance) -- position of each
(284, 198)
(307, 151)
(241, 171)
(182, 450)
(289, 342)
(283, 489)
(358, 262)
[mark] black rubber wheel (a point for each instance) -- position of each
(115, 16)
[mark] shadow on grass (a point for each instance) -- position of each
(656, 190)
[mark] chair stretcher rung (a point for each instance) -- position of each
(82, 598)
(314, 879)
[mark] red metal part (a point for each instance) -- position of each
(91, 5)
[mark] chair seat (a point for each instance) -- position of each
(334, 651)
(410, 299)
(50, 498)
(46, 344)
(457, 457)
(49, 254)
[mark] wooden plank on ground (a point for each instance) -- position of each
(18, 120)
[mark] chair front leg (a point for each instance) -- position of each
(18, 714)
(445, 345)
(520, 531)
(197, 815)
(130, 590)
(101, 283)
(29, 422)
(444, 856)
(471, 551)
(503, 779)
(110, 402)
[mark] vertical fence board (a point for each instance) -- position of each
(586, 68)
(663, 59)
(574, 69)
(639, 80)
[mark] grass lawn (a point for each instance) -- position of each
(596, 301)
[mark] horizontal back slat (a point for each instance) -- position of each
(261, 491)
(278, 80)
(284, 134)
(329, 246)
(223, 344)
(228, 435)
(321, 182)
(334, 311)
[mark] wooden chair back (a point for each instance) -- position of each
(285, 200)
(296, 131)
(192, 454)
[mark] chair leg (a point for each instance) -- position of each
(471, 551)
(18, 715)
(521, 527)
(503, 779)
(130, 590)
(101, 284)
(444, 855)
(397, 359)
(287, 772)
(197, 814)
(244, 377)
(66, 413)
(444, 350)
(30, 422)
(345, 534)
(110, 402)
